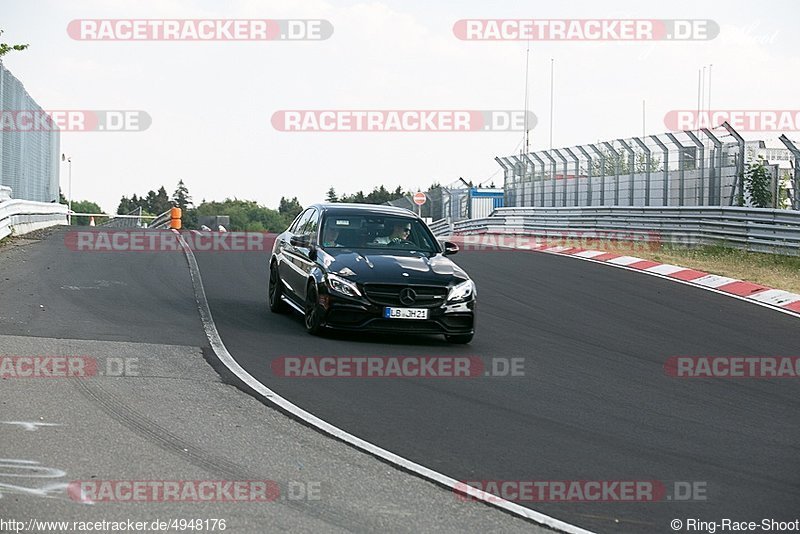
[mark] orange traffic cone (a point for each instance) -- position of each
(91, 221)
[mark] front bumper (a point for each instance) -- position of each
(342, 313)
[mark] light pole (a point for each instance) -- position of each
(69, 187)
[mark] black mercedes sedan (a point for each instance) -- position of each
(366, 267)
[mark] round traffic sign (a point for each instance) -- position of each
(419, 198)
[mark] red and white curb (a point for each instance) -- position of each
(777, 299)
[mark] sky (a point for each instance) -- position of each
(211, 103)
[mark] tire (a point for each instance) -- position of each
(460, 339)
(313, 312)
(275, 290)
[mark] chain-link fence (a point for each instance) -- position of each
(688, 168)
(28, 156)
(436, 203)
(452, 203)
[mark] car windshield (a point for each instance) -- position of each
(372, 231)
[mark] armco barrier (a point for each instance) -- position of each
(754, 229)
(19, 217)
(440, 227)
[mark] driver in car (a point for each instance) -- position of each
(400, 233)
(330, 235)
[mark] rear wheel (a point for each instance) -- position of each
(313, 311)
(275, 290)
(459, 338)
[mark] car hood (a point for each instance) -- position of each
(397, 268)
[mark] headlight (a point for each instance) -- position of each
(463, 291)
(343, 286)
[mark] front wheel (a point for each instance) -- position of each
(275, 290)
(313, 311)
(460, 339)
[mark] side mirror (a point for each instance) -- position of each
(300, 240)
(450, 248)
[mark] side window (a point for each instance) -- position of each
(297, 227)
(293, 226)
(311, 225)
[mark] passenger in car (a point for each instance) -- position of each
(330, 236)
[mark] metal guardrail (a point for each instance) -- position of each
(132, 219)
(19, 217)
(753, 229)
(161, 222)
(441, 227)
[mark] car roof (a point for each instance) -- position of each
(342, 207)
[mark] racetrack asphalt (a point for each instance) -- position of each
(594, 403)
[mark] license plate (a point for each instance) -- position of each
(405, 313)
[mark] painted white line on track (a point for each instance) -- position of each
(589, 253)
(665, 269)
(225, 357)
(776, 297)
(714, 280)
(625, 260)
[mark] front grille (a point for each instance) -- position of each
(389, 295)
(400, 325)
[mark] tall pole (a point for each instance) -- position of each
(699, 84)
(643, 119)
(552, 68)
(708, 103)
(70, 190)
(69, 187)
(527, 57)
(702, 98)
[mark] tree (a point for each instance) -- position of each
(181, 196)
(379, 195)
(126, 205)
(245, 215)
(162, 202)
(149, 202)
(5, 48)
(289, 208)
(757, 181)
(86, 206)
(331, 195)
